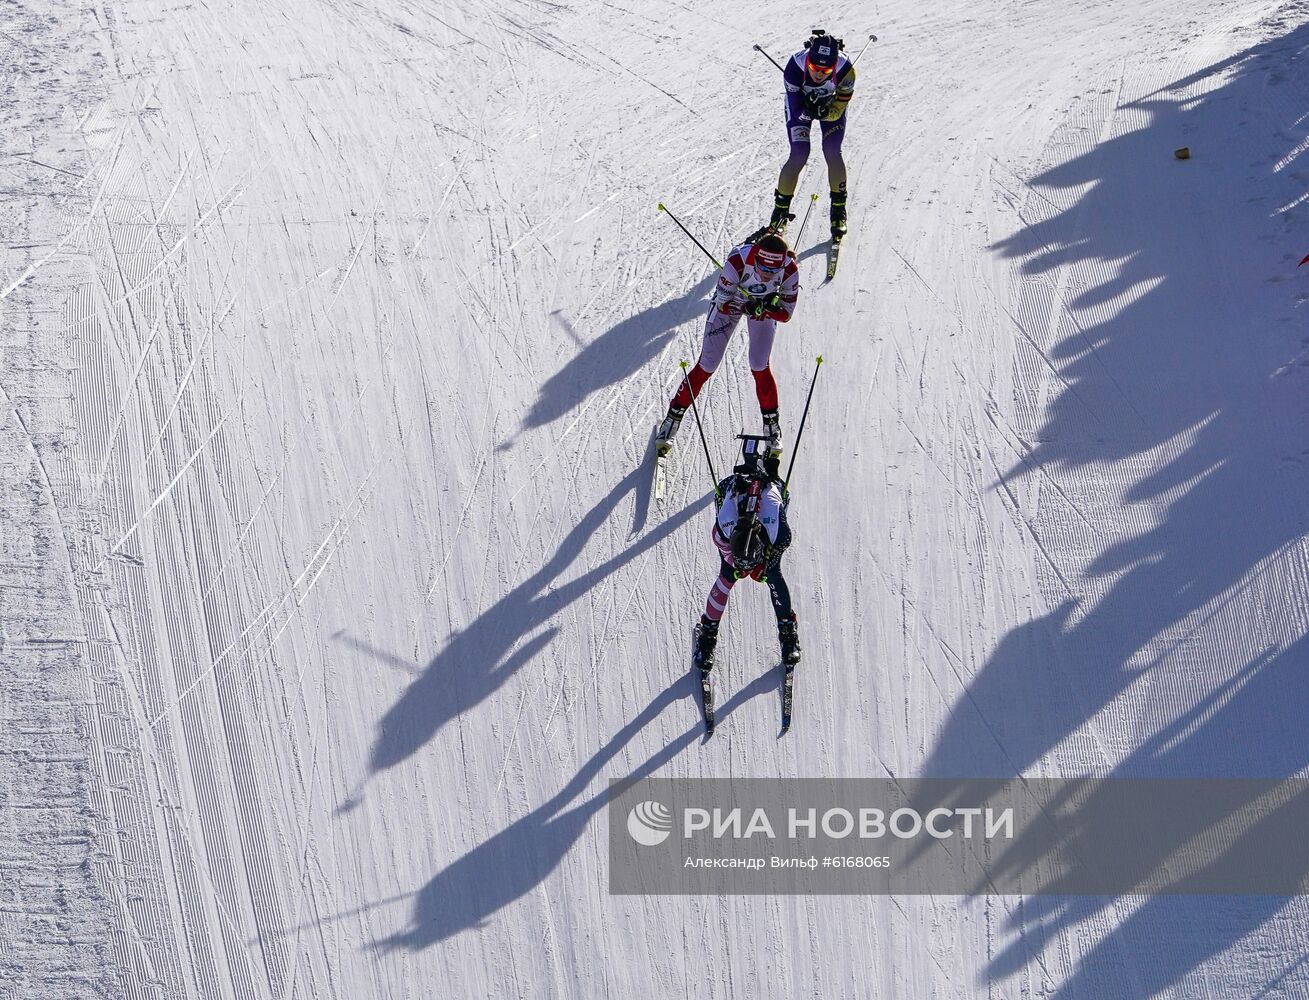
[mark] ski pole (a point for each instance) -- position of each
(688, 233)
(769, 58)
(696, 410)
(812, 198)
(800, 433)
(871, 39)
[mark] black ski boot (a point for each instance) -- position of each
(790, 641)
(781, 212)
(667, 429)
(838, 215)
(773, 428)
(706, 638)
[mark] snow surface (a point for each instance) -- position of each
(331, 587)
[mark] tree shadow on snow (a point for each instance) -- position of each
(1259, 710)
(516, 860)
(1180, 363)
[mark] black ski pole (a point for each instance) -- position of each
(812, 198)
(871, 39)
(688, 233)
(696, 410)
(769, 58)
(800, 433)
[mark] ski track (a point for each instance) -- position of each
(262, 531)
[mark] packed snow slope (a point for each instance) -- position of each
(332, 591)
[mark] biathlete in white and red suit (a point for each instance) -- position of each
(760, 281)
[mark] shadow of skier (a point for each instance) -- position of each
(618, 353)
(481, 658)
(519, 858)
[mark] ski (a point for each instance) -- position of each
(661, 450)
(706, 683)
(707, 701)
(788, 687)
(833, 257)
(790, 643)
(660, 475)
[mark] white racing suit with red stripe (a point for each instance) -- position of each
(765, 299)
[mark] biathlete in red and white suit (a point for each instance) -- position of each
(760, 281)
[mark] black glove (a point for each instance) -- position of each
(817, 102)
(758, 308)
(759, 570)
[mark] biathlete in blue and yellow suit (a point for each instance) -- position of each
(819, 83)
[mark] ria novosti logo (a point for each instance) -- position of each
(650, 823)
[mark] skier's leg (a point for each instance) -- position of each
(779, 593)
(717, 332)
(833, 134)
(716, 603)
(762, 333)
(789, 178)
(712, 617)
(696, 378)
(765, 387)
(787, 635)
(797, 133)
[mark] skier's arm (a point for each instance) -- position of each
(720, 495)
(793, 75)
(793, 78)
(841, 100)
(782, 302)
(725, 521)
(781, 543)
(778, 548)
(729, 280)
